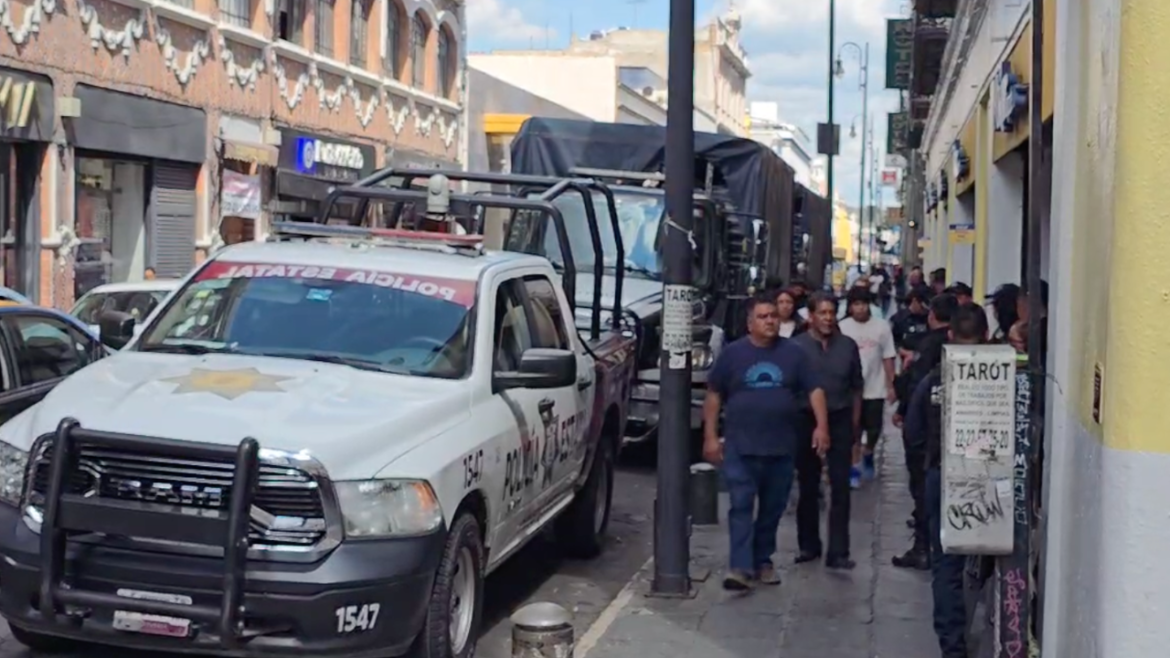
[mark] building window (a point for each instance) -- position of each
(291, 21)
(446, 67)
(235, 12)
(418, 51)
(359, 32)
(392, 63)
(324, 27)
(187, 4)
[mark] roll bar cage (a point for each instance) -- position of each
(548, 189)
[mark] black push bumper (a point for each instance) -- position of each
(366, 598)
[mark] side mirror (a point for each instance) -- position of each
(116, 329)
(540, 368)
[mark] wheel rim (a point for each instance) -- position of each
(601, 507)
(462, 601)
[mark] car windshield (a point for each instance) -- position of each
(372, 320)
(138, 303)
(639, 218)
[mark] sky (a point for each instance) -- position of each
(786, 41)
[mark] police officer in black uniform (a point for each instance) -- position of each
(925, 424)
(926, 358)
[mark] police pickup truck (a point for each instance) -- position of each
(318, 445)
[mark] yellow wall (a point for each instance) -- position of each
(503, 124)
(1021, 60)
(967, 139)
(1132, 323)
(843, 238)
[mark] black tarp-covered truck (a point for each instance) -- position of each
(746, 201)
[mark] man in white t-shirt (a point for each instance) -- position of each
(875, 341)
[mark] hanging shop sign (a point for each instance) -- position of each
(239, 195)
(899, 53)
(1010, 99)
(962, 233)
(889, 178)
(897, 132)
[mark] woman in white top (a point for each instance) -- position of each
(789, 320)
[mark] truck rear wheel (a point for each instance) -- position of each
(41, 643)
(455, 610)
(581, 529)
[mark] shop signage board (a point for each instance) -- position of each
(962, 233)
(240, 195)
(26, 105)
(889, 178)
(899, 52)
(325, 157)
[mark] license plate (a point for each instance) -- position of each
(147, 624)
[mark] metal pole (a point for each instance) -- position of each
(672, 524)
(864, 147)
(832, 127)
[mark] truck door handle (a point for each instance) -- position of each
(583, 384)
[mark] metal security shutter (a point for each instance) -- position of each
(172, 219)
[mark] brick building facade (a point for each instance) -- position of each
(138, 134)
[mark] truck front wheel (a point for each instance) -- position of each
(581, 529)
(455, 610)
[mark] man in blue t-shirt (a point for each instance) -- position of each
(759, 382)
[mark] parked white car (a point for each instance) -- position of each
(138, 299)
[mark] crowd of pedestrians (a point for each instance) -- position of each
(804, 397)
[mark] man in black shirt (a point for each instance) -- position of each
(836, 360)
(910, 324)
(929, 355)
(924, 422)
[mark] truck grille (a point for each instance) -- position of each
(287, 507)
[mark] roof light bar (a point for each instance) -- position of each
(358, 232)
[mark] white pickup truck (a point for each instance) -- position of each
(317, 446)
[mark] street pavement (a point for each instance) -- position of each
(875, 611)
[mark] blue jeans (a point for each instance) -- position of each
(748, 478)
(950, 611)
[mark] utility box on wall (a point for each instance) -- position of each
(978, 451)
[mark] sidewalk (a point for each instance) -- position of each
(874, 611)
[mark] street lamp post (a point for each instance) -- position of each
(863, 84)
(832, 130)
(671, 517)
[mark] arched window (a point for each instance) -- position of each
(392, 63)
(446, 68)
(418, 51)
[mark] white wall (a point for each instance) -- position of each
(1005, 220)
(586, 84)
(963, 255)
(633, 107)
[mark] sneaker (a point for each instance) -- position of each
(854, 478)
(767, 575)
(737, 581)
(869, 467)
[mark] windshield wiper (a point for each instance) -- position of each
(186, 348)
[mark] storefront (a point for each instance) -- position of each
(137, 164)
(26, 129)
(246, 167)
(310, 165)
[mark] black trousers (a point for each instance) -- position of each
(916, 466)
(808, 471)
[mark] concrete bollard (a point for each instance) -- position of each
(542, 630)
(704, 493)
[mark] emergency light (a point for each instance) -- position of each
(386, 236)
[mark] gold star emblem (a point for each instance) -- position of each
(227, 384)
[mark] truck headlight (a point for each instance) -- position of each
(13, 466)
(388, 508)
(701, 357)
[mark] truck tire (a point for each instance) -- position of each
(581, 529)
(455, 609)
(41, 643)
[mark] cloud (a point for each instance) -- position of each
(788, 45)
(504, 22)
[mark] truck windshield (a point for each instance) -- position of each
(640, 218)
(372, 320)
